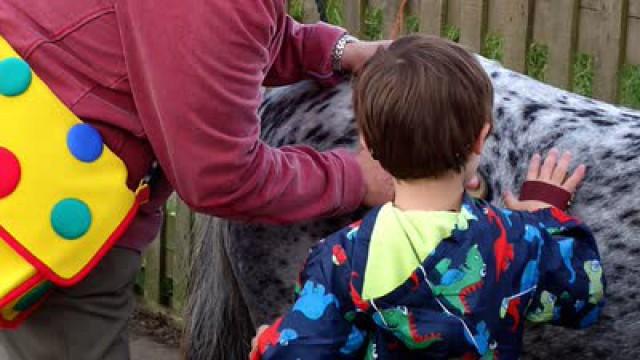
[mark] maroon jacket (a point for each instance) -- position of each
(180, 81)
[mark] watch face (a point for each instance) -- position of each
(351, 39)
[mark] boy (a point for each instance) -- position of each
(437, 274)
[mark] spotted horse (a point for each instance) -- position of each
(243, 275)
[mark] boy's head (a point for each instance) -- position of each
(422, 106)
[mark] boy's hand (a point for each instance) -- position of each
(553, 172)
(254, 342)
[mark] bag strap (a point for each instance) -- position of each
(143, 192)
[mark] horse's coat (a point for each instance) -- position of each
(248, 269)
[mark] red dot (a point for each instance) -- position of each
(9, 172)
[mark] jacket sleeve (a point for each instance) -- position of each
(317, 326)
(305, 53)
(571, 287)
(195, 68)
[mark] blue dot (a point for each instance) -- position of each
(71, 218)
(85, 143)
(15, 77)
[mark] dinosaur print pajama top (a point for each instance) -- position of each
(416, 285)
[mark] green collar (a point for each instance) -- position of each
(392, 259)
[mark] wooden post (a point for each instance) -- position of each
(454, 13)
(517, 33)
(634, 8)
(562, 46)
(633, 45)
(611, 46)
(353, 11)
(433, 16)
(152, 260)
(474, 23)
(181, 255)
(311, 14)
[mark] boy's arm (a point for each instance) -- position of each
(571, 283)
(316, 326)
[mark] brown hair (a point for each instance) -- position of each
(420, 106)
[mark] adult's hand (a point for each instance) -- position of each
(356, 54)
(378, 183)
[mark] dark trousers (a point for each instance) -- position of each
(85, 322)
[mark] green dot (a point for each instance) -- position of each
(15, 77)
(32, 297)
(71, 219)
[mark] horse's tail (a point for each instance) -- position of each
(218, 324)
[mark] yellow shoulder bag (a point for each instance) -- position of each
(63, 195)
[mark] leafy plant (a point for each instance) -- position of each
(451, 32)
(333, 12)
(412, 24)
(493, 47)
(296, 9)
(537, 61)
(630, 86)
(583, 75)
(373, 23)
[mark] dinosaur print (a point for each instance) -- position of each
(566, 251)
(314, 300)
(511, 305)
(480, 339)
(594, 272)
(561, 216)
(502, 249)
(270, 337)
(402, 324)
(458, 283)
(353, 230)
(355, 296)
(354, 341)
(546, 312)
(339, 255)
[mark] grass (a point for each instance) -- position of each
(334, 12)
(583, 75)
(296, 9)
(451, 32)
(630, 86)
(373, 24)
(493, 47)
(537, 61)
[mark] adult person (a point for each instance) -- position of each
(180, 82)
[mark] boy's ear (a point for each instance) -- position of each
(479, 144)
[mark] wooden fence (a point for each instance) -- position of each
(162, 282)
(591, 47)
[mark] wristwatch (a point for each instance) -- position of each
(338, 51)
